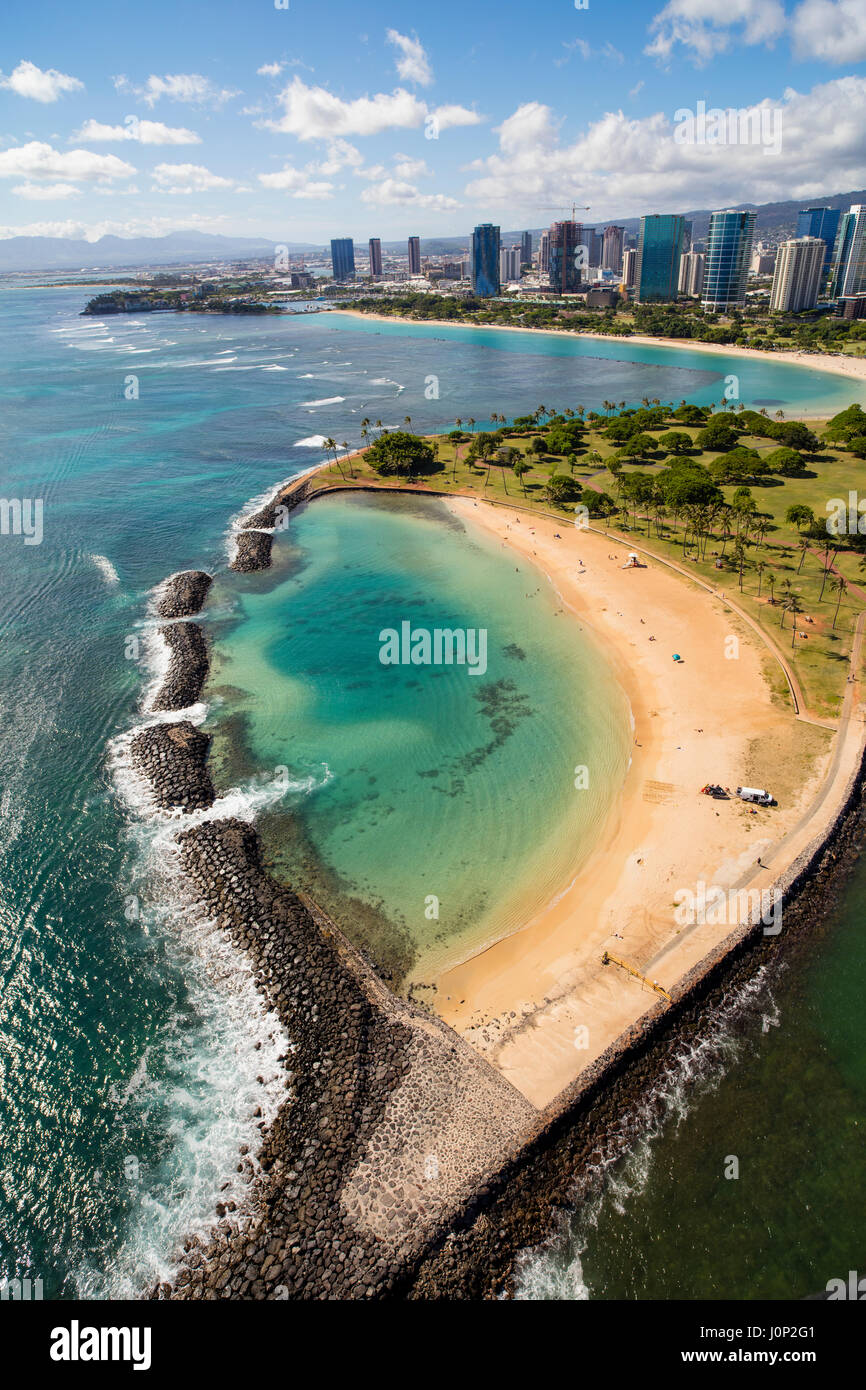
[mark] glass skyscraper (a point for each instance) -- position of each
(658, 257)
(729, 251)
(849, 263)
(343, 258)
(564, 260)
(485, 260)
(823, 223)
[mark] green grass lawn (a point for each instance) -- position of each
(821, 658)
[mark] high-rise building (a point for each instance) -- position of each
(544, 253)
(484, 256)
(849, 260)
(729, 250)
(691, 280)
(565, 257)
(343, 258)
(629, 268)
(612, 248)
(526, 249)
(763, 260)
(414, 255)
(510, 261)
(375, 246)
(658, 257)
(798, 274)
(823, 223)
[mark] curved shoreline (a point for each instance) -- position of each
(854, 368)
(343, 1205)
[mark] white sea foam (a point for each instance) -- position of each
(386, 381)
(315, 441)
(326, 400)
(106, 569)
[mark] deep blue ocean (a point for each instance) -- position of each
(133, 1052)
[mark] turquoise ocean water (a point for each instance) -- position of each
(128, 1035)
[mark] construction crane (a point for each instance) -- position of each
(557, 207)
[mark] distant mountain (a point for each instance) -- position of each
(773, 219)
(178, 248)
(38, 253)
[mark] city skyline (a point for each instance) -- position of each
(376, 127)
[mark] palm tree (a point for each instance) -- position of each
(760, 567)
(771, 584)
(331, 448)
(407, 420)
(840, 584)
(803, 547)
(345, 447)
(793, 607)
(828, 566)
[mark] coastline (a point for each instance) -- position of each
(694, 722)
(369, 1193)
(851, 367)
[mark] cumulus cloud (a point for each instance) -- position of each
(90, 231)
(187, 178)
(30, 81)
(834, 30)
(46, 192)
(144, 132)
(399, 193)
(704, 27)
(823, 148)
(190, 87)
(406, 168)
(314, 113)
(448, 116)
(270, 69)
(297, 183)
(38, 160)
(412, 62)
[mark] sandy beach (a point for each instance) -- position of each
(540, 1005)
(852, 367)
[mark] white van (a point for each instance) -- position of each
(755, 794)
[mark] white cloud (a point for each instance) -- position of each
(145, 132)
(627, 166)
(297, 182)
(398, 193)
(314, 113)
(30, 81)
(413, 65)
(187, 178)
(340, 156)
(270, 69)
(704, 26)
(448, 116)
(190, 87)
(406, 168)
(150, 226)
(586, 52)
(37, 160)
(834, 31)
(46, 192)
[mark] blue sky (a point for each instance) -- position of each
(330, 118)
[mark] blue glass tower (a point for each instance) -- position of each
(658, 257)
(343, 258)
(729, 250)
(485, 260)
(849, 263)
(823, 223)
